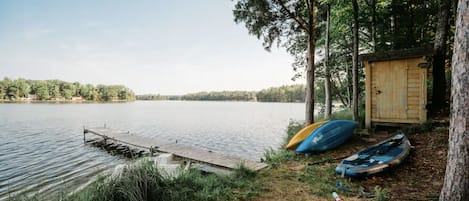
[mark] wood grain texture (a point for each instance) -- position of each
(395, 90)
(180, 150)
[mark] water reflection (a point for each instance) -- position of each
(42, 150)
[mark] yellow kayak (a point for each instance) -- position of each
(303, 134)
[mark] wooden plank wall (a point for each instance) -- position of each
(414, 88)
(396, 91)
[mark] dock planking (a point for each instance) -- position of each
(180, 150)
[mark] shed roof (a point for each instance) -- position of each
(396, 54)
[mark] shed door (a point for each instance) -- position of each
(390, 89)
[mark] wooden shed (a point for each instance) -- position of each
(396, 86)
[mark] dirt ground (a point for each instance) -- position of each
(419, 177)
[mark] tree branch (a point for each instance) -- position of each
(304, 25)
(364, 33)
(337, 89)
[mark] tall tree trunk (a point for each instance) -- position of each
(456, 183)
(355, 61)
(309, 117)
(341, 97)
(439, 48)
(392, 23)
(349, 84)
(337, 91)
(410, 26)
(327, 82)
(373, 24)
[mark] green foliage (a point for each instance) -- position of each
(242, 172)
(342, 114)
(293, 128)
(222, 95)
(137, 183)
(61, 90)
(292, 93)
(384, 25)
(322, 180)
(275, 157)
(151, 97)
(279, 22)
(144, 182)
(381, 194)
(319, 179)
(286, 93)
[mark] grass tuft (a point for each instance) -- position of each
(381, 194)
(242, 172)
(322, 181)
(292, 128)
(144, 182)
(275, 157)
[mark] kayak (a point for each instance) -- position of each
(303, 134)
(376, 158)
(328, 136)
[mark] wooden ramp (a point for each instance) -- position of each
(180, 150)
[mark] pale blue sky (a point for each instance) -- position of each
(151, 46)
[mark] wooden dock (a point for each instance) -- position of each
(180, 150)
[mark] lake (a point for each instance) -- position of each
(42, 148)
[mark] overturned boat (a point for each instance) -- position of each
(376, 158)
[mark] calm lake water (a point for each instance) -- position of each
(42, 149)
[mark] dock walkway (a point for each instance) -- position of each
(180, 150)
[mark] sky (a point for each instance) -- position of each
(151, 46)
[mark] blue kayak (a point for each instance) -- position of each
(328, 136)
(376, 158)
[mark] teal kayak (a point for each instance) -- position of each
(328, 136)
(376, 158)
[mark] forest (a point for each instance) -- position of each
(287, 93)
(326, 37)
(57, 90)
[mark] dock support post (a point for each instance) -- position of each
(151, 151)
(84, 132)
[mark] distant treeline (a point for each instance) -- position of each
(291, 93)
(157, 97)
(221, 95)
(22, 89)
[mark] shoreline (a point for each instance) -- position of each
(63, 101)
(125, 101)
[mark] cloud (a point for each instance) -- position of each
(36, 33)
(80, 47)
(91, 24)
(129, 43)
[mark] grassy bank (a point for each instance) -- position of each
(144, 182)
(294, 176)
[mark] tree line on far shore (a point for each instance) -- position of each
(288, 93)
(43, 90)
